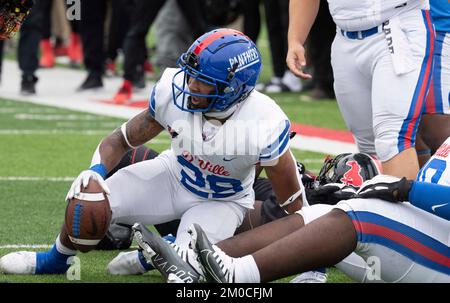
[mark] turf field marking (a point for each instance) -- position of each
(47, 179)
(88, 132)
(24, 246)
(58, 117)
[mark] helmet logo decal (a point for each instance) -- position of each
(353, 175)
(245, 59)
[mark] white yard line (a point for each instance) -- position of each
(89, 132)
(39, 179)
(24, 246)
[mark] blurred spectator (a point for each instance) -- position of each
(143, 14)
(277, 19)
(119, 24)
(176, 27)
(319, 53)
(92, 25)
(252, 18)
(27, 52)
(54, 12)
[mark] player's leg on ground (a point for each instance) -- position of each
(323, 242)
(141, 192)
(399, 242)
(54, 261)
(218, 219)
(252, 218)
(355, 267)
(260, 236)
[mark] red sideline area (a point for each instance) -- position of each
(300, 129)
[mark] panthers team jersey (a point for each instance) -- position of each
(351, 15)
(440, 12)
(437, 168)
(218, 161)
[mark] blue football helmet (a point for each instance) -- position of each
(223, 58)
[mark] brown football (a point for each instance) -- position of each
(88, 216)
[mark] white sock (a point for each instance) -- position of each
(64, 250)
(246, 270)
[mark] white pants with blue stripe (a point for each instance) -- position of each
(400, 243)
(380, 104)
(148, 192)
(438, 99)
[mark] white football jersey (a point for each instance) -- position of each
(351, 15)
(437, 168)
(216, 161)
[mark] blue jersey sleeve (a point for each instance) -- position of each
(152, 102)
(433, 198)
(278, 147)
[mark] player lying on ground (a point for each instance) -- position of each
(403, 243)
(328, 187)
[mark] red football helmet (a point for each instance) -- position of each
(350, 169)
(12, 15)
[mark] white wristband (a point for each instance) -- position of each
(123, 129)
(292, 198)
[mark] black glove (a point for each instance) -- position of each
(119, 236)
(330, 193)
(308, 181)
(386, 188)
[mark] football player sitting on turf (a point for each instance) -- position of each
(221, 128)
(406, 243)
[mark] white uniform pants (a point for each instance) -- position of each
(148, 192)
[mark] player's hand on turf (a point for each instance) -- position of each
(331, 193)
(83, 180)
(296, 61)
(385, 187)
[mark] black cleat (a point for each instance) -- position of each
(163, 256)
(27, 86)
(217, 266)
(92, 81)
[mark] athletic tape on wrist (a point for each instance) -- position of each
(292, 198)
(100, 169)
(123, 129)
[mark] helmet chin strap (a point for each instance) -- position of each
(222, 114)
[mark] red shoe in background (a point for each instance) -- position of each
(110, 68)
(47, 59)
(124, 94)
(148, 68)
(60, 49)
(75, 49)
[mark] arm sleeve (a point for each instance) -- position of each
(160, 99)
(433, 198)
(279, 143)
